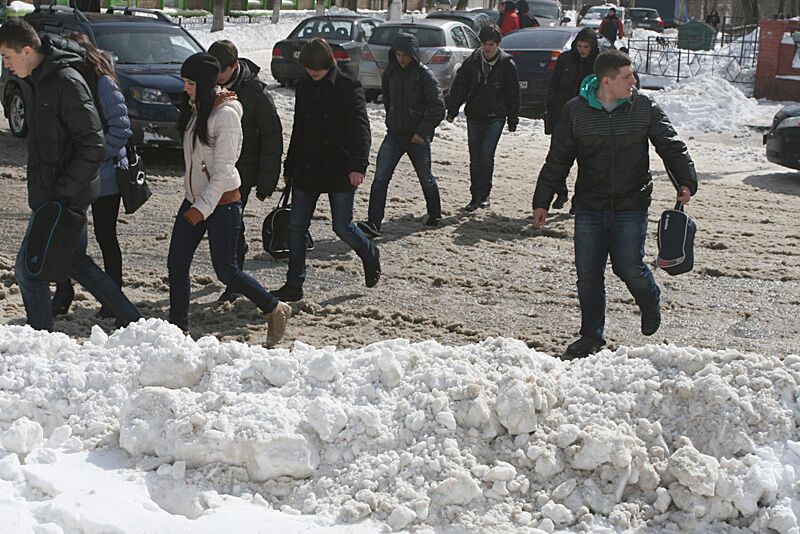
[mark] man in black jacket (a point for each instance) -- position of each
(488, 82)
(571, 68)
(608, 129)
(259, 164)
(65, 149)
(414, 108)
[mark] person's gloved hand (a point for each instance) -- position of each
(263, 192)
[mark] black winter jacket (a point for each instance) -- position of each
(493, 97)
(613, 154)
(259, 164)
(65, 135)
(330, 136)
(411, 95)
(565, 83)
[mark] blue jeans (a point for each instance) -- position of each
(36, 295)
(482, 137)
(392, 149)
(223, 228)
(621, 234)
(303, 205)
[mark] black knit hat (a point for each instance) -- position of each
(202, 69)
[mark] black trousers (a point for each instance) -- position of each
(105, 211)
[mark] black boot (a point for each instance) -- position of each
(372, 269)
(651, 320)
(288, 293)
(62, 299)
(582, 348)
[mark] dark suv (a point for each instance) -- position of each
(148, 51)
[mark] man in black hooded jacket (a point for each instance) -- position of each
(65, 149)
(259, 163)
(414, 108)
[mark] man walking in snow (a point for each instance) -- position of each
(414, 108)
(608, 128)
(611, 27)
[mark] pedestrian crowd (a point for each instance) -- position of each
(232, 146)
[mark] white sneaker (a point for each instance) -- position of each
(276, 323)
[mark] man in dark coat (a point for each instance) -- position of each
(65, 149)
(609, 128)
(488, 82)
(526, 20)
(328, 153)
(611, 27)
(259, 164)
(414, 108)
(571, 68)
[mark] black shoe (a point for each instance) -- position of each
(582, 348)
(560, 201)
(651, 320)
(104, 313)
(372, 269)
(472, 206)
(62, 299)
(228, 295)
(288, 293)
(484, 203)
(371, 229)
(433, 221)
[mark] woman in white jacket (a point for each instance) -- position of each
(210, 120)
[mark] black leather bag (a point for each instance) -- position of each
(676, 232)
(52, 240)
(133, 182)
(275, 229)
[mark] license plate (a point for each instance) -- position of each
(523, 84)
(296, 54)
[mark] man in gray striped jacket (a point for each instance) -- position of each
(608, 128)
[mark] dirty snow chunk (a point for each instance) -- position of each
(695, 470)
(782, 518)
(278, 371)
(401, 517)
(41, 455)
(564, 489)
(460, 489)
(22, 436)
(663, 500)
(327, 418)
(10, 468)
(59, 436)
(502, 471)
(179, 470)
(566, 435)
(516, 407)
(390, 368)
(172, 362)
(557, 513)
(447, 420)
(325, 368)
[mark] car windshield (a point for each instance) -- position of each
(547, 10)
(639, 14)
(332, 29)
(426, 36)
(144, 46)
(537, 39)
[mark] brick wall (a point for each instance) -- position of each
(775, 59)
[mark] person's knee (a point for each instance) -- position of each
(629, 271)
(342, 229)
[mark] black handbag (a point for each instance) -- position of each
(676, 232)
(275, 229)
(53, 236)
(133, 182)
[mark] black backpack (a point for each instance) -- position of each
(275, 229)
(676, 232)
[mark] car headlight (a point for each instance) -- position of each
(149, 95)
(789, 122)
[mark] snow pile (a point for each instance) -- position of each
(489, 437)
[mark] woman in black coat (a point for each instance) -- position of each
(328, 153)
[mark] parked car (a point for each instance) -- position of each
(493, 13)
(783, 138)
(148, 50)
(594, 17)
(474, 20)
(347, 35)
(443, 47)
(547, 12)
(535, 51)
(647, 18)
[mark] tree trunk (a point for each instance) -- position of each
(751, 12)
(276, 11)
(320, 8)
(218, 12)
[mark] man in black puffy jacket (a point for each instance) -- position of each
(259, 164)
(414, 108)
(608, 129)
(65, 149)
(488, 82)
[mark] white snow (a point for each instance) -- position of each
(657, 436)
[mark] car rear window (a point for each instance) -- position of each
(643, 13)
(537, 39)
(548, 10)
(337, 30)
(428, 37)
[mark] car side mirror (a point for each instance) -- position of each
(566, 20)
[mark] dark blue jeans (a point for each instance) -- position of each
(482, 137)
(621, 234)
(223, 228)
(36, 295)
(303, 205)
(392, 149)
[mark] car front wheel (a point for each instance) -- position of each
(16, 113)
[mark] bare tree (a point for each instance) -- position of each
(276, 11)
(751, 11)
(218, 13)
